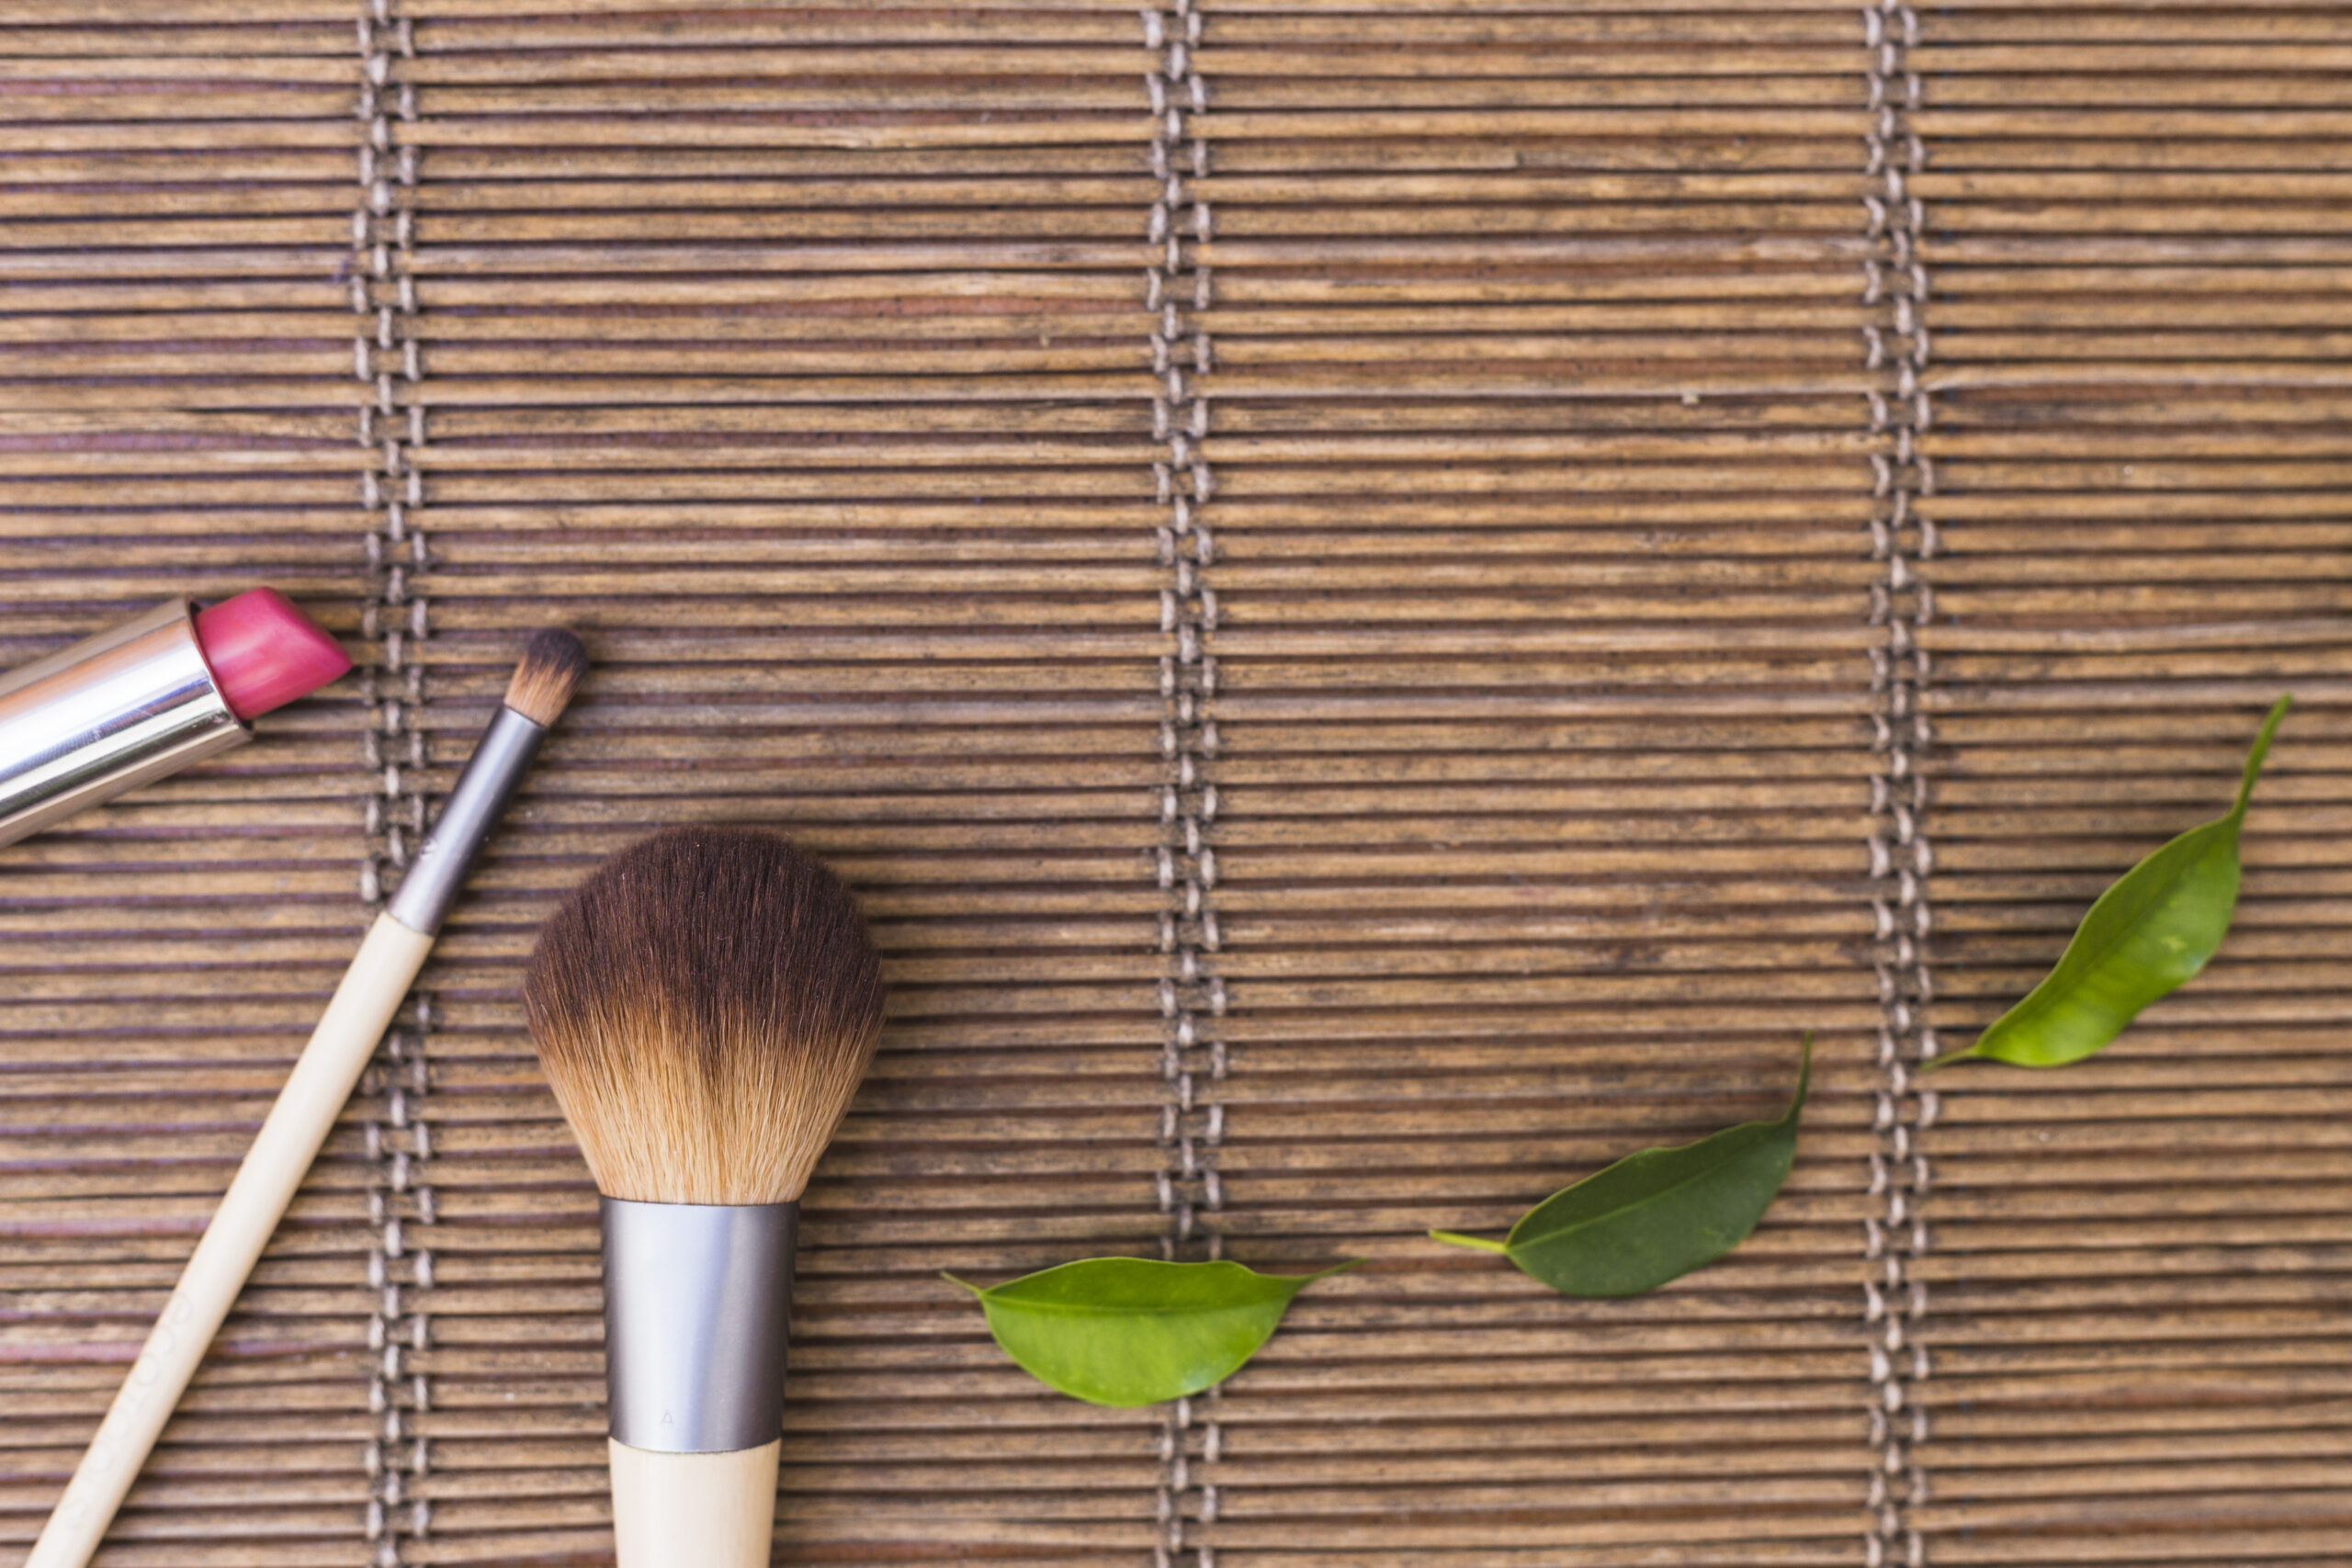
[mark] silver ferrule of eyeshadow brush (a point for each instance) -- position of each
(491, 775)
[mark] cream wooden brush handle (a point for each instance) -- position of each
(693, 1510)
(298, 1123)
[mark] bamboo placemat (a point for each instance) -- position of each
(1385, 601)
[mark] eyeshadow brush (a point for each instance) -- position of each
(704, 1005)
(306, 1109)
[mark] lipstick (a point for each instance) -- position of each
(148, 698)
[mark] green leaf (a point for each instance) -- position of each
(2148, 935)
(1129, 1331)
(1656, 1214)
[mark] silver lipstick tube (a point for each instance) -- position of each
(106, 714)
(697, 1308)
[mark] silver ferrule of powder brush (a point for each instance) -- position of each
(491, 774)
(698, 1309)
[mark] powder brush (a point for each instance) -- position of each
(704, 1005)
(298, 1123)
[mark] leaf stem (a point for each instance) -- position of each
(1478, 1243)
(2261, 750)
(1805, 1081)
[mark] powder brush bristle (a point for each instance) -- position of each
(705, 1005)
(552, 663)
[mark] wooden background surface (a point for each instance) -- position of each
(1385, 600)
